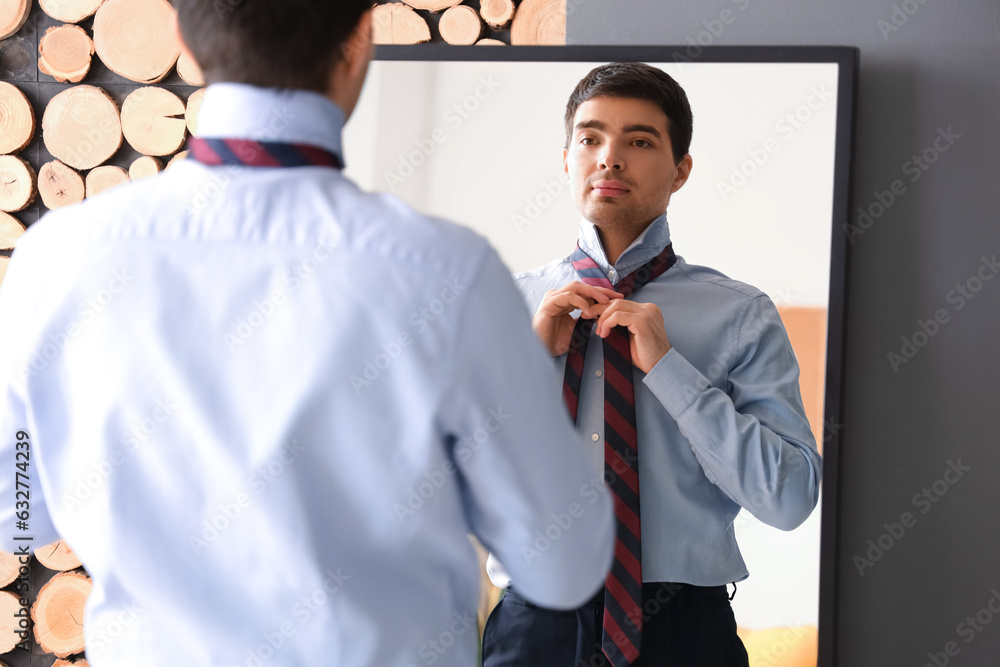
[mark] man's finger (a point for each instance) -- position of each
(599, 294)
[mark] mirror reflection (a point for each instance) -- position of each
(481, 143)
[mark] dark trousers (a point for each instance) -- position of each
(683, 626)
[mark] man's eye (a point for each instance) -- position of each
(587, 141)
(642, 143)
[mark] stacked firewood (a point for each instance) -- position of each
(492, 22)
(52, 618)
(84, 127)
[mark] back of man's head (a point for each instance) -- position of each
(269, 43)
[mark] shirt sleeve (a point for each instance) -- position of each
(531, 495)
(753, 441)
(25, 523)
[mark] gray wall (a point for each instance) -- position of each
(902, 426)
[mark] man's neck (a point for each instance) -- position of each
(616, 241)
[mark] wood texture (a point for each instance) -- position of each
(144, 167)
(497, 13)
(10, 604)
(17, 183)
(11, 230)
(539, 22)
(58, 613)
(81, 126)
(396, 23)
(189, 71)
(58, 556)
(10, 565)
(490, 42)
(59, 185)
(17, 119)
(432, 5)
(70, 11)
(193, 109)
(98, 180)
(153, 121)
(13, 16)
(65, 53)
(460, 25)
(136, 38)
(71, 663)
(177, 158)
(4, 261)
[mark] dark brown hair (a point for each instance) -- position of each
(643, 82)
(269, 43)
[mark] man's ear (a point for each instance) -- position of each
(356, 50)
(683, 173)
(185, 51)
(566, 161)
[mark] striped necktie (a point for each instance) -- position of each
(622, 626)
(217, 152)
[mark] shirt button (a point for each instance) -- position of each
(595, 437)
(611, 274)
(598, 372)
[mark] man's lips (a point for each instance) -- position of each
(609, 188)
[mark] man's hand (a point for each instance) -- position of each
(648, 340)
(553, 323)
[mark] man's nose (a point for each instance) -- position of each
(610, 157)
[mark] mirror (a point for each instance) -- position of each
(475, 135)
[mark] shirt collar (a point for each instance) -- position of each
(241, 111)
(650, 243)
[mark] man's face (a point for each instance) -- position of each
(620, 162)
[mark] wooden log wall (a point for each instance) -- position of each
(80, 60)
(483, 22)
(52, 74)
(56, 587)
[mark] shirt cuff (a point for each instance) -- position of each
(676, 383)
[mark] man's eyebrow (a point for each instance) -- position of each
(628, 129)
(590, 124)
(635, 127)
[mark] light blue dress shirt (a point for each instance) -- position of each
(720, 420)
(266, 409)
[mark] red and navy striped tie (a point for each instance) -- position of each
(248, 153)
(622, 635)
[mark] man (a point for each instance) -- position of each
(711, 421)
(265, 408)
